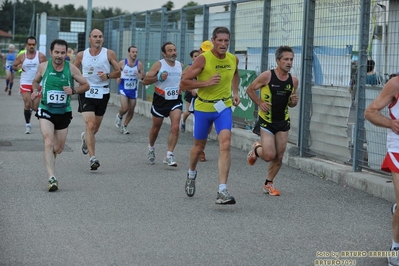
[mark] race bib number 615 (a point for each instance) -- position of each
(56, 97)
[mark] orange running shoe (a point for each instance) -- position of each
(251, 157)
(271, 190)
(202, 157)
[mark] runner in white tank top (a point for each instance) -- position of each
(29, 68)
(389, 97)
(95, 63)
(165, 74)
(28, 62)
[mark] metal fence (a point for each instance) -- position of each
(332, 41)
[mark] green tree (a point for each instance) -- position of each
(192, 13)
(6, 16)
(169, 5)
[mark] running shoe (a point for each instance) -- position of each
(224, 198)
(271, 190)
(27, 129)
(190, 185)
(9, 93)
(124, 130)
(251, 157)
(393, 208)
(151, 156)
(84, 148)
(170, 160)
(118, 121)
(94, 163)
(393, 260)
(182, 127)
(52, 184)
(202, 157)
(6, 89)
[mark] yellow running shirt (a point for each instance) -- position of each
(226, 68)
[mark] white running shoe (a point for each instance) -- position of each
(118, 121)
(27, 129)
(84, 148)
(392, 259)
(224, 198)
(151, 156)
(124, 130)
(94, 163)
(170, 160)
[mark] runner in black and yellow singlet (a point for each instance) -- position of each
(277, 92)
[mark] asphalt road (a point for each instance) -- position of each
(129, 212)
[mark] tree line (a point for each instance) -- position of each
(26, 10)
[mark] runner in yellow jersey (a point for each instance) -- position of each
(216, 76)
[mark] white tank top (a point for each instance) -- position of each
(92, 66)
(170, 88)
(29, 68)
(393, 138)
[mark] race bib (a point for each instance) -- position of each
(56, 97)
(130, 84)
(219, 106)
(171, 93)
(94, 92)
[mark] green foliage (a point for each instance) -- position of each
(192, 13)
(26, 10)
(169, 5)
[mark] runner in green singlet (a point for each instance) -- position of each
(55, 111)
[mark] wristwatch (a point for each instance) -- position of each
(107, 75)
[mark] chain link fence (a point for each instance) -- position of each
(332, 41)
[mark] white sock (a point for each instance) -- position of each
(222, 186)
(169, 153)
(151, 148)
(394, 245)
(191, 174)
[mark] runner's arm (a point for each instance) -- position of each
(115, 65)
(83, 84)
(152, 75)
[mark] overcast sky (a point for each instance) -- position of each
(132, 5)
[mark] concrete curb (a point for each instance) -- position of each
(375, 184)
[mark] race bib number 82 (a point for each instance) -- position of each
(95, 93)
